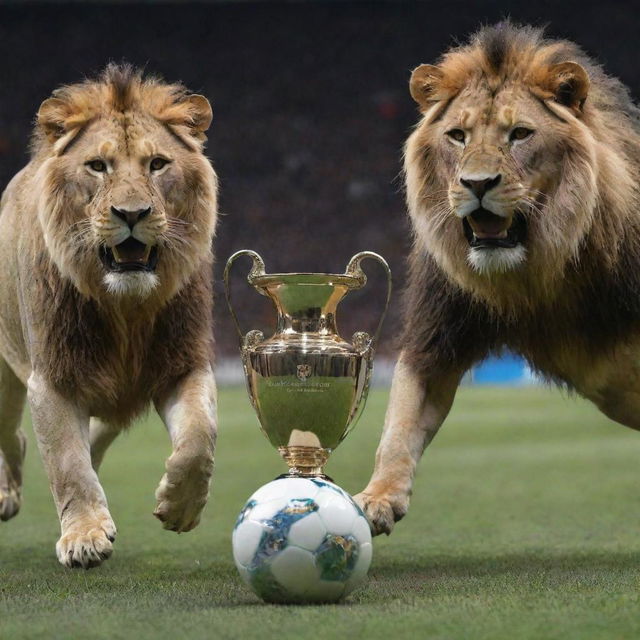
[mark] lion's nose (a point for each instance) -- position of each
(129, 216)
(480, 187)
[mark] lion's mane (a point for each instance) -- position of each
(574, 304)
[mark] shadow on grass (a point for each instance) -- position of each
(535, 561)
(154, 580)
(519, 574)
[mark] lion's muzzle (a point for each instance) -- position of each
(130, 254)
(486, 222)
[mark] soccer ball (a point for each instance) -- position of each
(302, 540)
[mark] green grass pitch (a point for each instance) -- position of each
(525, 523)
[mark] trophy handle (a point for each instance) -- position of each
(257, 269)
(354, 269)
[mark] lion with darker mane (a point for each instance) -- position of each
(522, 187)
(105, 298)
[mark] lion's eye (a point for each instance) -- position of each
(99, 166)
(158, 163)
(520, 133)
(456, 134)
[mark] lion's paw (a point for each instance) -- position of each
(382, 511)
(183, 493)
(87, 543)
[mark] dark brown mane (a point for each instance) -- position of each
(115, 366)
(500, 40)
(123, 79)
(445, 325)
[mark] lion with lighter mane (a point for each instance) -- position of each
(522, 188)
(106, 298)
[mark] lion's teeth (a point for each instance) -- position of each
(121, 257)
(492, 236)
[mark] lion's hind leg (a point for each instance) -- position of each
(615, 389)
(12, 441)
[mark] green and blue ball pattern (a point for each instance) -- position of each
(302, 540)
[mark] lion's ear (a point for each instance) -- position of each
(427, 86)
(200, 112)
(60, 122)
(569, 84)
(189, 119)
(52, 116)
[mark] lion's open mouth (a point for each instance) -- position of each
(130, 255)
(486, 230)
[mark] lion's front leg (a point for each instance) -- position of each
(417, 408)
(62, 432)
(189, 412)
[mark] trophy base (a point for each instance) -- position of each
(318, 476)
(305, 462)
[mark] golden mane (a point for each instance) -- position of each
(506, 51)
(119, 88)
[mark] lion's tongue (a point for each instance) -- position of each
(131, 250)
(488, 225)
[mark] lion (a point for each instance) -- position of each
(522, 189)
(106, 298)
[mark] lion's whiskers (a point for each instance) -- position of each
(177, 222)
(81, 233)
(441, 214)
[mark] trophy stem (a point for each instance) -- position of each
(305, 462)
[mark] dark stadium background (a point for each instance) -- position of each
(310, 104)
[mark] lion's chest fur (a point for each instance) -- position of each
(112, 361)
(578, 337)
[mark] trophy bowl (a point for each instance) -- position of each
(307, 384)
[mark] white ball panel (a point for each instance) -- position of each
(329, 494)
(269, 491)
(337, 513)
(308, 532)
(295, 570)
(245, 541)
